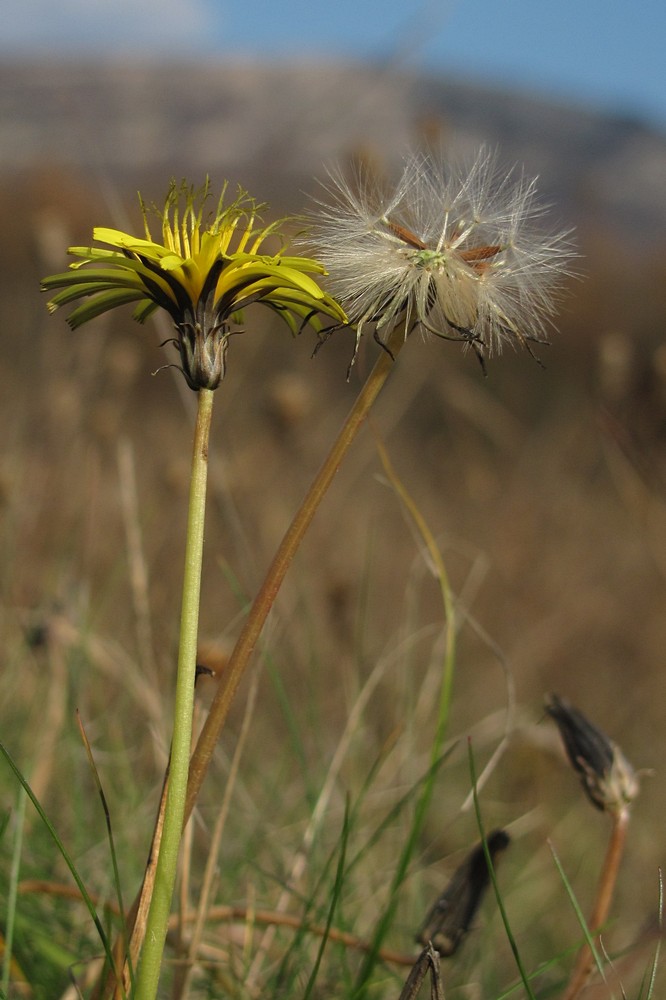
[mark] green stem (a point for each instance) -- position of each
(158, 916)
(267, 593)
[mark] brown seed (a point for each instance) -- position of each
(406, 235)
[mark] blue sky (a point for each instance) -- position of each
(609, 54)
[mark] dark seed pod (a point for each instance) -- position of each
(606, 775)
(450, 919)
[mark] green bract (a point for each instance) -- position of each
(203, 273)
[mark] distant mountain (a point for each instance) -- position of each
(274, 128)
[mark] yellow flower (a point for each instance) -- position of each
(203, 273)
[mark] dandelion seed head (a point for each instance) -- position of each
(461, 254)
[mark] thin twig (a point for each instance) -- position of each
(236, 914)
(428, 961)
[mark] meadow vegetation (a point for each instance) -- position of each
(545, 492)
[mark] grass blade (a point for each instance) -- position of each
(63, 852)
(493, 878)
(109, 831)
(335, 896)
(12, 891)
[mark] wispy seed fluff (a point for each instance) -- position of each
(461, 254)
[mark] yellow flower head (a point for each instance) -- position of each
(205, 271)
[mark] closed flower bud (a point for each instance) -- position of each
(606, 775)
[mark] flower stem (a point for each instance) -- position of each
(605, 889)
(158, 916)
(267, 593)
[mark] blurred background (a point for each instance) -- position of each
(545, 487)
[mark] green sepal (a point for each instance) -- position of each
(100, 304)
(144, 310)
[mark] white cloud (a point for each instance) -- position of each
(150, 26)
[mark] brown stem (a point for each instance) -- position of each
(242, 914)
(427, 962)
(605, 889)
(263, 602)
(267, 593)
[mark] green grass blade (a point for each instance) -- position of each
(63, 852)
(291, 954)
(397, 808)
(335, 896)
(493, 878)
(12, 890)
(426, 786)
(443, 711)
(657, 951)
(109, 832)
(578, 911)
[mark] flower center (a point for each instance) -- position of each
(428, 259)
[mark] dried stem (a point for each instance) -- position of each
(427, 962)
(237, 914)
(267, 593)
(605, 889)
